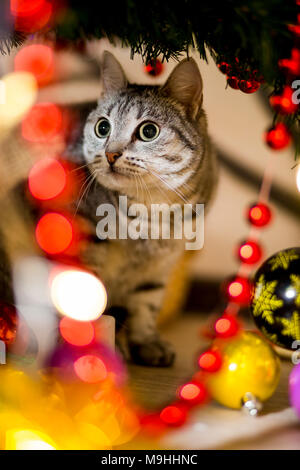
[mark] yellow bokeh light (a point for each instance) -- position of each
(26, 439)
(18, 94)
(78, 295)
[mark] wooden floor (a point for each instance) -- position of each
(155, 387)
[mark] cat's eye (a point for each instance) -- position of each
(148, 131)
(102, 128)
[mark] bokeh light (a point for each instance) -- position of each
(54, 233)
(78, 295)
(226, 326)
(250, 252)
(47, 179)
(173, 415)
(193, 392)
(259, 214)
(75, 332)
(30, 15)
(20, 91)
(90, 369)
(42, 123)
(38, 60)
(26, 439)
(239, 290)
(278, 137)
(210, 361)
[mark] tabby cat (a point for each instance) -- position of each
(149, 143)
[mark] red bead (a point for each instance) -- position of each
(283, 104)
(224, 67)
(154, 68)
(174, 415)
(259, 215)
(210, 361)
(193, 393)
(226, 326)
(250, 252)
(249, 86)
(278, 137)
(239, 290)
(233, 82)
(8, 323)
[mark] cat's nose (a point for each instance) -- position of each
(112, 157)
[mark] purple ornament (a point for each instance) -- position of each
(294, 385)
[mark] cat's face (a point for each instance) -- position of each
(138, 135)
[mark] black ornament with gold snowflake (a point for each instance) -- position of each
(275, 305)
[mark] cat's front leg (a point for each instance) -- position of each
(146, 346)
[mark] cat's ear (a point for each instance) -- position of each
(185, 85)
(113, 76)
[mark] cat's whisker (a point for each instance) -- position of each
(172, 189)
(84, 188)
(80, 167)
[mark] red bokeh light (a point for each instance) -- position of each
(278, 137)
(75, 332)
(249, 252)
(283, 104)
(47, 179)
(210, 361)
(90, 369)
(259, 215)
(30, 15)
(42, 123)
(193, 392)
(239, 290)
(54, 233)
(174, 415)
(154, 68)
(38, 60)
(226, 326)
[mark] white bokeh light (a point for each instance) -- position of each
(78, 295)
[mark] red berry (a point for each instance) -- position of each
(249, 86)
(283, 103)
(154, 68)
(233, 82)
(278, 137)
(224, 67)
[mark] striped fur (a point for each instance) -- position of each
(178, 166)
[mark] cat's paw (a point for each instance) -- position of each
(154, 352)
